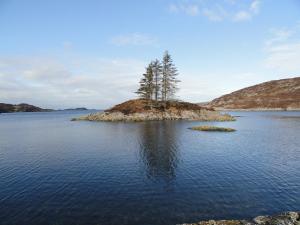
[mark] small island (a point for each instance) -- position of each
(213, 128)
(139, 110)
(157, 100)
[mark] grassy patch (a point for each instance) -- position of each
(212, 128)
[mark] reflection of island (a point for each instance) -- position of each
(158, 149)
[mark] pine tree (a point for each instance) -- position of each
(169, 81)
(146, 88)
(142, 91)
(159, 81)
(157, 70)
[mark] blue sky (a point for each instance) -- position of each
(64, 53)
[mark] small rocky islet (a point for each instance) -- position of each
(142, 110)
(212, 128)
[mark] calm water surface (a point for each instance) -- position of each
(53, 171)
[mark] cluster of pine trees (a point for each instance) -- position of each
(159, 82)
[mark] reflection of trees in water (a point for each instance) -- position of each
(158, 148)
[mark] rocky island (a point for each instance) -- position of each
(139, 110)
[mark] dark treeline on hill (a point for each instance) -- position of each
(10, 108)
(159, 82)
(23, 107)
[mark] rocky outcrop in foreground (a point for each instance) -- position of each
(273, 95)
(141, 110)
(288, 218)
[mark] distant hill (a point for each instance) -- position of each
(9, 108)
(273, 95)
(76, 109)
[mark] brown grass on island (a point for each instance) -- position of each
(142, 105)
(212, 128)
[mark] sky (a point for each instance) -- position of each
(92, 53)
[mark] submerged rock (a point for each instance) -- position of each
(287, 218)
(212, 128)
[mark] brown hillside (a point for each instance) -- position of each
(278, 94)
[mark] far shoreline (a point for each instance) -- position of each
(258, 110)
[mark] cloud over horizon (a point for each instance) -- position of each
(283, 50)
(48, 82)
(96, 60)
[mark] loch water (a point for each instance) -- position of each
(57, 172)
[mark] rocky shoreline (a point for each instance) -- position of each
(141, 110)
(201, 115)
(287, 218)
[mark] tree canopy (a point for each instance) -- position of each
(159, 82)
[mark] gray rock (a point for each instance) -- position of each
(287, 218)
(200, 115)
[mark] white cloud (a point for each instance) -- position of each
(189, 9)
(214, 15)
(232, 10)
(279, 35)
(242, 16)
(283, 51)
(48, 82)
(197, 88)
(248, 13)
(134, 39)
(255, 6)
(93, 82)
